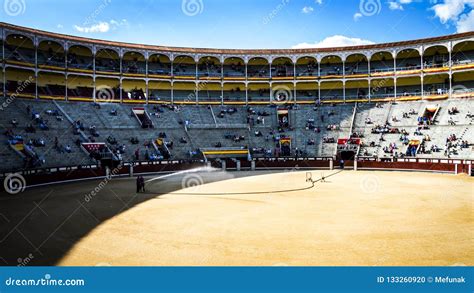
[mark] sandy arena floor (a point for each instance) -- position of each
(355, 218)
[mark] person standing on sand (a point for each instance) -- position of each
(138, 181)
(142, 184)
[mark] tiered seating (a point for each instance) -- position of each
(314, 130)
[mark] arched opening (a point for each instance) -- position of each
(307, 91)
(283, 68)
(51, 85)
(382, 88)
(436, 85)
(234, 92)
(159, 65)
(209, 67)
(357, 64)
(408, 60)
(234, 67)
(80, 57)
(258, 92)
(463, 53)
(306, 67)
(258, 68)
(381, 63)
(408, 87)
(332, 91)
(107, 60)
(436, 57)
(20, 49)
(51, 54)
(159, 91)
(80, 88)
(331, 66)
(134, 63)
(184, 92)
(133, 90)
(209, 92)
(185, 67)
(20, 83)
(357, 90)
(463, 84)
(107, 90)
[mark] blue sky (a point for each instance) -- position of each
(245, 23)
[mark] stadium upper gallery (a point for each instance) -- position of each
(123, 153)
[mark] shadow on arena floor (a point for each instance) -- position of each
(40, 225)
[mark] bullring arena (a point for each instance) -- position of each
(361, 218)
(240, 151)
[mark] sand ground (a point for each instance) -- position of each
(355, 219)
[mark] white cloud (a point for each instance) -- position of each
(466, 23)
(450, 9)
(101, 27)
(392, 5)
(334, 41)
(398, 4)
(307, 9)
(458, 12)
(60, 26)
(320, 2)
(357, 16)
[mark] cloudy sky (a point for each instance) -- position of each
(245, 23)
